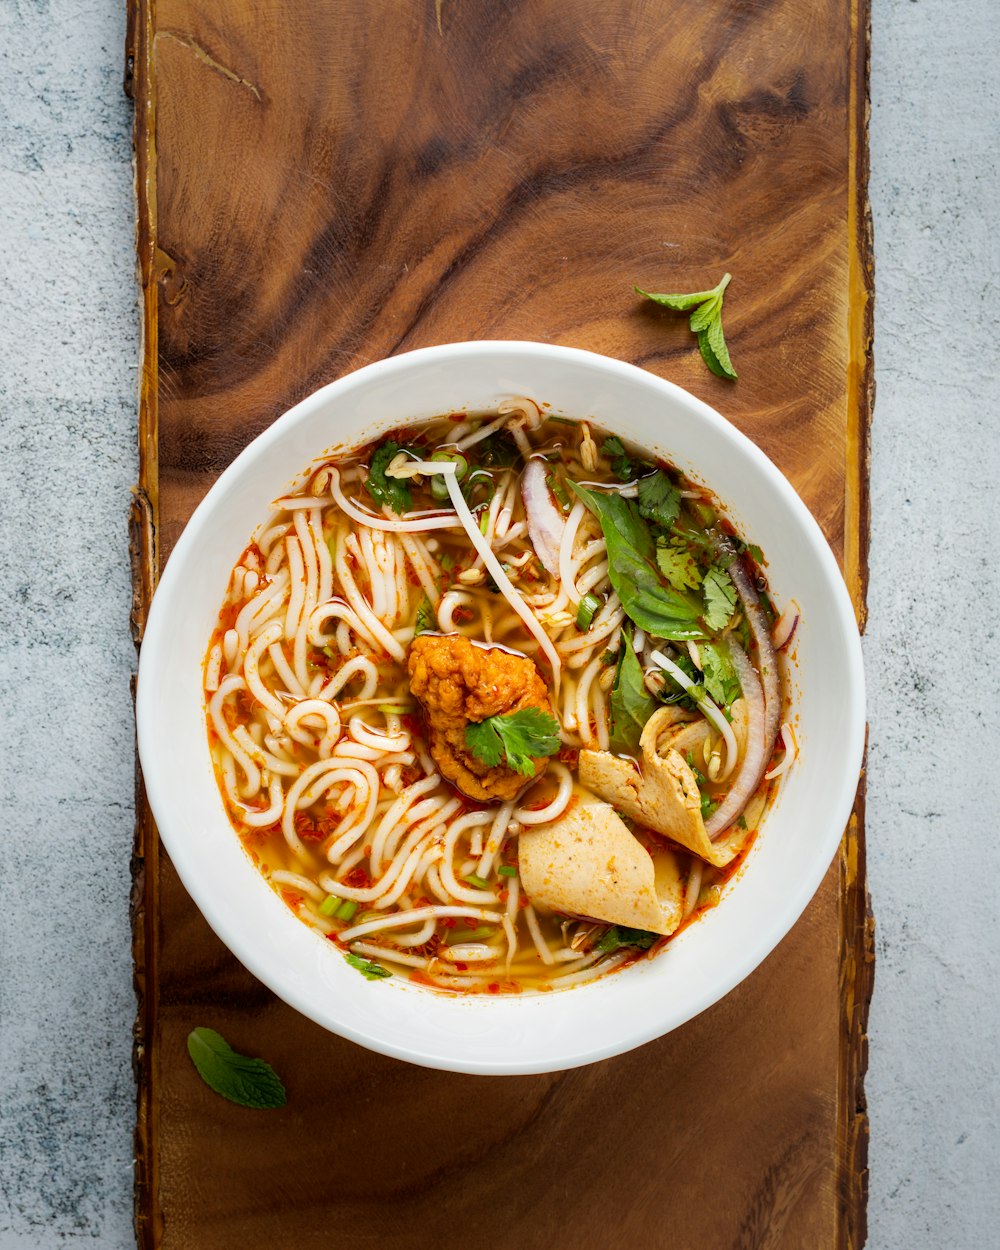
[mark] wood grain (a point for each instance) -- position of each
(322, 184)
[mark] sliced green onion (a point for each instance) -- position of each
(346, 910)
(585, 613)
(331, 542)
(394, 709)
(472, 879)
(439, 487)
(484, 522)
(505, 870)
(329, 905)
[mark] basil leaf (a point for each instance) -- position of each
(245, 1081)
(631, 703)
(645, 597)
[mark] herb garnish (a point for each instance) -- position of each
(368, 968)
(720, 598)
(631, 704)
(647, 599)
(621, 465)
(677, 565)
(619, 935)
(521, 736)
(426, 619)
(245, 1081)
(721, 681)
(659, 499)
(393, 491)
(705, 322)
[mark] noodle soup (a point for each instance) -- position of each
(494, 702)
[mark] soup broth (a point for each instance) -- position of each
(491, 701)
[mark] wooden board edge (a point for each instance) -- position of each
(857, 973)
(861, 328)
(143, 527)
(857, 923)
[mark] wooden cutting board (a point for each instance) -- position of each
(325, 182)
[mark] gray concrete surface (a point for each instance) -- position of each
(68, 348)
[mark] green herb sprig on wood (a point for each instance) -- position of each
(705, 308)
(245, 1081)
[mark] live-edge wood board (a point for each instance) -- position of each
(321, 183)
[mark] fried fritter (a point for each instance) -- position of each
(457, 682)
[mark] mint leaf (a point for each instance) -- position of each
(677, 565)
(391, 491)
(721, 681)
(521, 736)
(720, 598)
(368, 968)
(631, 703)
(659, 499)
(645, 596)
(677, 303)
(703, 317)
(245, 1081)
(705, 322)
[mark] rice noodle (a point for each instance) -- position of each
(307, 693)
(416, 525)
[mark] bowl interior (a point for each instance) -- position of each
(526, 1033)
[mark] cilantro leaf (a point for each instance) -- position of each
(245, 1081)
(720, 598)
(368, 968)
(521, 736)
(659, 499)
(426, 620)
(498, 451)
(721, 682)
(631, 703)
(619, 935)
(392, 491)
(621, 465)
(677, 565)
(705, 322)
(674, 693)
(647, 599)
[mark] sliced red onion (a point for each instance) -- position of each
(785, 626)
(758, 748)
(545, 522)
(790, 756)
(767, 660)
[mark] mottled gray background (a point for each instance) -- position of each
(68, 352)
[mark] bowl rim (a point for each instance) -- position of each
(183, 856)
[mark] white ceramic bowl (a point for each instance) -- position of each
(521, 1033)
